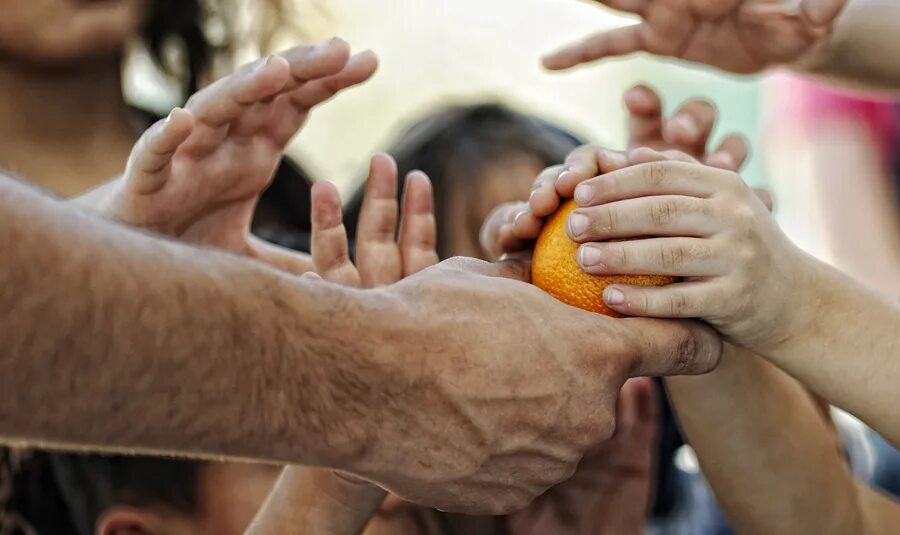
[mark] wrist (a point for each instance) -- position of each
(806, 311)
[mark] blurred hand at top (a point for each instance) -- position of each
(740, 36)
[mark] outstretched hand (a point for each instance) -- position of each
(198, 175)
(740, 36)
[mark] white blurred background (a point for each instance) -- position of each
(438, 51)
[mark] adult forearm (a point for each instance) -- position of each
(114, 339)
(845, 346)
(858, 52)
(749, 418)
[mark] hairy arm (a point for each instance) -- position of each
(855, 52)
(771, 459)
(117, 340)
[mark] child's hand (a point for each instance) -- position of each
(709, 227)
(198, 175)
(383, 255)
(511, 227)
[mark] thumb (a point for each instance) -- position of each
(666, 347)
(514, 266)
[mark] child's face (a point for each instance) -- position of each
(229, 496)
(505, 180)
(55, 32)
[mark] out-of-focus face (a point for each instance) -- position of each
(229, 496)
(56, 32)
(505, 180)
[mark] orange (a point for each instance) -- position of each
(555, 270)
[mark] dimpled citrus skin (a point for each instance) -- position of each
(555, 270)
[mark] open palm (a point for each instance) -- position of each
(741, 36)
(198, 175)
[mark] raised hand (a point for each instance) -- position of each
(687, 130)
(197, 176)
(741, 36)
(383, 255)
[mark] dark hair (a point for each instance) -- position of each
(453, 144)
(56, 492)
(182, 24)
(179, 22)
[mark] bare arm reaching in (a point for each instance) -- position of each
(114, 339)
(764, 426)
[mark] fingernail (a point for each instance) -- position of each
(588, 256)
(613, 296)
(578, 224)
(687, 126)
(562, 175)
(520, 214)
(584, 194)
(260, 64)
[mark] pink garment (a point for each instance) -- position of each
(808, 104)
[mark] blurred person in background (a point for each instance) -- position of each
(64, 118)
(836, 155)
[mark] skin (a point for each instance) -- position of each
(61, 90)
(110, 325)
(511, 228)
(229, 495)
(741, 270)
(182, 179)
(620, 467)
(330, 502)
(791, 482)
(840, 39)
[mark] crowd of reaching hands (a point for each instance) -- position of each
(391, 377)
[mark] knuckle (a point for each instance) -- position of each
(685, 353)
(608, 219)
(672, 258)
(605, 428)
(678, 304)
(616, 255)
(662, 211)
(655, 173)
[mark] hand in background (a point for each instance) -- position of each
(740, 36)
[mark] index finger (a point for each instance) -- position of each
(418, 234)
(587, 162)
(617, 42)
(644, 116)
(656, 178)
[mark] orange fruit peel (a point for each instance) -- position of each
(555, 268)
